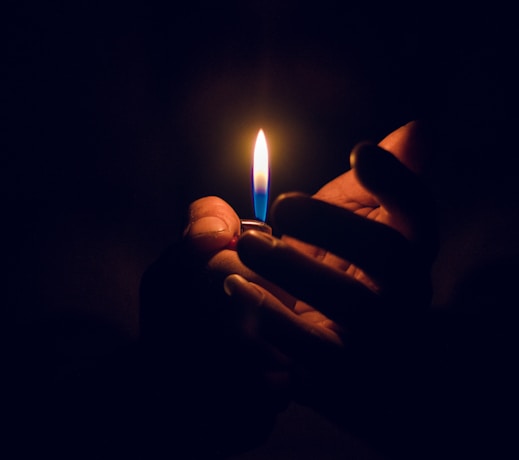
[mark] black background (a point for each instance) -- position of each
(117, 115)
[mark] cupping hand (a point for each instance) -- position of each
(331, 305)
(355, 262)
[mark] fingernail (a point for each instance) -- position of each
(260, 238)
(237, 286)
(232, 283)
(206, 226)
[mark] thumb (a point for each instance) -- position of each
(411, 144)
(212, 224)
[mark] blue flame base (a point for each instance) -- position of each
(260, 205)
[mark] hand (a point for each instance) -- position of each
(359, 281)
(226, 388)
(391, 260)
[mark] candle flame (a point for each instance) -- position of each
(260, 177)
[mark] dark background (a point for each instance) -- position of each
(117, 115)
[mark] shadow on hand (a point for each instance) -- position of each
(207, 381)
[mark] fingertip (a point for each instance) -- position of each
(294, 194)
(413, 144)
(208, 235)
(360, 152)
(372, 165)
(237, 286)
(212, 224)
(206, 226)
(232, 283)
(281, 207)
(282, 199)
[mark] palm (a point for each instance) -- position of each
(400, 281)
(347, 192)
(344, 191)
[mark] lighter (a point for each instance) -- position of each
(260, 189)
(253, 224)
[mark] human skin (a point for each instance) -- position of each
(346, 282)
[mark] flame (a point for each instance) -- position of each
(260, 177)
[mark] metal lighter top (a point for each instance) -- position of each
(253, 224)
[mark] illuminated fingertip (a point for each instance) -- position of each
(239, 288)
(232, 283)
(288, 195)
(257, 241)
(286, 200)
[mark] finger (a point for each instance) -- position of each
(267, 317)
(399, 191)
(327, 289)
(226, 262)
(212, 224)
(411, 144)
(377, 249)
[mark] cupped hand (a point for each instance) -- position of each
(339, 294)
(355, 259)
(373, 225)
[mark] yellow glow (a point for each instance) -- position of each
(260, 169)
